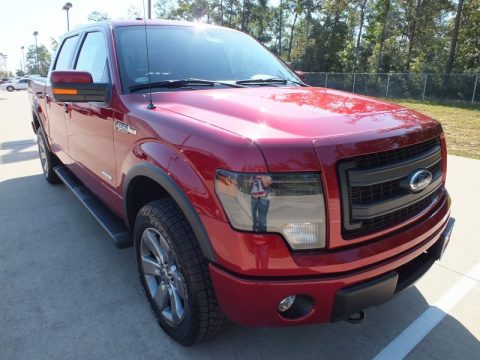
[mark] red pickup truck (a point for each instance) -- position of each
(246, 193)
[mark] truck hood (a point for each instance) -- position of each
(295, 112)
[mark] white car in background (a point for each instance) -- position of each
(21, 84)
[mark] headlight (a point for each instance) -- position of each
(290, 204)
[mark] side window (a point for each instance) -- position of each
(93, 57)
(63, 58)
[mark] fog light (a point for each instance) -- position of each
(304, 236)
(286, 303)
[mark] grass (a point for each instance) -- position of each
(460, 121)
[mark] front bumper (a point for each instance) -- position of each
(254, 300)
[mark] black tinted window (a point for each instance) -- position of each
(180, 52)
(65, 54)
(93, 57)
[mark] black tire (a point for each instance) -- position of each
(10, 88)
(162, 220)
(47, 159)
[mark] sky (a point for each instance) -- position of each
(20, 18)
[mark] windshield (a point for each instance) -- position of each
(191, 52)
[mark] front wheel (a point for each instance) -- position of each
(174, 274)
(10, 88)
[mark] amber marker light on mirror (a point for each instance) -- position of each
(58, 91)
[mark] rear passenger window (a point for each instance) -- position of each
(93, 57)
(63, 59)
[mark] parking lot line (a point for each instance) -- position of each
(413, 334)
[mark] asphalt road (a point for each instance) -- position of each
(66, 292)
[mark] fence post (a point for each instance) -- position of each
(388, 85)
(474, 89)
(326, 79)
(424, 86)
(353, 86)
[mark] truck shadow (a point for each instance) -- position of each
(64, 285)
(16, 151)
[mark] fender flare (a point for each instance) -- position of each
(173, 189)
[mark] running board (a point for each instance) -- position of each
(113, 225)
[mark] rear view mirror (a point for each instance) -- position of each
(77, 86)
(300, 74)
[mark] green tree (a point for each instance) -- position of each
(98, 16)
(329, 37)
(163, 8)
(40, 65)
(54, 44)
(296, 7)
(356, 35)
(467, 57)
(133, 12)
(191, 10)
(260, 22)
(423, 25)
(382, 31)
(453, 42)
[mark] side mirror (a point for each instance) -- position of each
(77, 86)
(300, 74)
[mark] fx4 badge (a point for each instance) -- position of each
(125, 128)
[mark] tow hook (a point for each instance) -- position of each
(357, 318)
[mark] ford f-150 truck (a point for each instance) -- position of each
(247, 194)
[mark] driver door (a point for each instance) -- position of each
(90, 130)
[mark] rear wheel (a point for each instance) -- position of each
(175, 274)
(10, 88)
(47, 159)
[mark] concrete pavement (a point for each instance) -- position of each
(66, 292)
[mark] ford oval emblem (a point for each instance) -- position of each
(419, 180)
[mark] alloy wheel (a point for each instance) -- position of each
(165, 283)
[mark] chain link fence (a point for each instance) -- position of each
(456, 87)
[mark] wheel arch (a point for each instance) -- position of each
(38, 124)
(35, 121)
(38, 117)
(163, 185)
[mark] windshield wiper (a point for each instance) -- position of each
(181, 83)
(261, 81)
(268, 81)
(298, 83)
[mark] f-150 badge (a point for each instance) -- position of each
(125, 128)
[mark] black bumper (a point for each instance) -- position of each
(374, 292)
